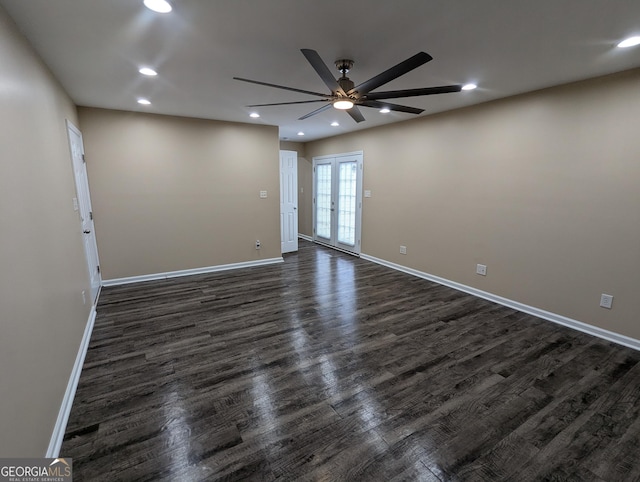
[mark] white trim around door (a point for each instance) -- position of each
(82, 204)
(288, 201)
(337, 200)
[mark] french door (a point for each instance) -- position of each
(337, 201)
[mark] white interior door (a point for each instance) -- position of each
(337, 198)
(289, 201)
(83, 202)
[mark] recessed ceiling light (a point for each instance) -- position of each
(160, 6)
(148, 71)
(144, 102)
(334, 124)
(469, 86)
(385, 110)
(255, 115)
(300, 133)
(630, 42)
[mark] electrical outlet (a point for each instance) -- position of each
(403, 250)
(84, 298)
(258, 245)
(606, 301)
(481, 269)
(263, 194)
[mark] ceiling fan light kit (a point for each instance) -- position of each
(343, 104)
(347, 96)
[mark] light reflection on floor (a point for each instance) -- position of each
(178, 430)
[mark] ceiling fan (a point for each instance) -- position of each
(347, 96)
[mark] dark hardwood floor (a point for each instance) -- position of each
(328, 367)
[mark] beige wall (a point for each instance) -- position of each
(173, 193)
(305, 196)
(543, 188)
(299, 147)
(42, 265)
(305, 191)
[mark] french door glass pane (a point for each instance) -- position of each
(323, 200)
(347, 177)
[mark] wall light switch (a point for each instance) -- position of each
(263, 194)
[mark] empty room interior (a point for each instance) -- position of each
(321, 240)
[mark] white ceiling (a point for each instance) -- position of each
(506, 47)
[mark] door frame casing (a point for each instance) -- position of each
(288, 209)
(86, 218)
(358, 224)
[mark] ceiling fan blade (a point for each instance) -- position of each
(398, 108)
(281, 87)
(355, 114)
(393, 73)
(317, 111)
(396, 94)
(323, 71)
(288, 103)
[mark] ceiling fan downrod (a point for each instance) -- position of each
(343, 66)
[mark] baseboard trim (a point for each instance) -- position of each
(55, 443)
(189, 272)
(532, 310)
(305, 237)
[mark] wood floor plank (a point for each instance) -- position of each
(330, 367)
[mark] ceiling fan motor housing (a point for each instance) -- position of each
(344, 65)
(345, 83)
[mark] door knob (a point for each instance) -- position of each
(86, 231)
